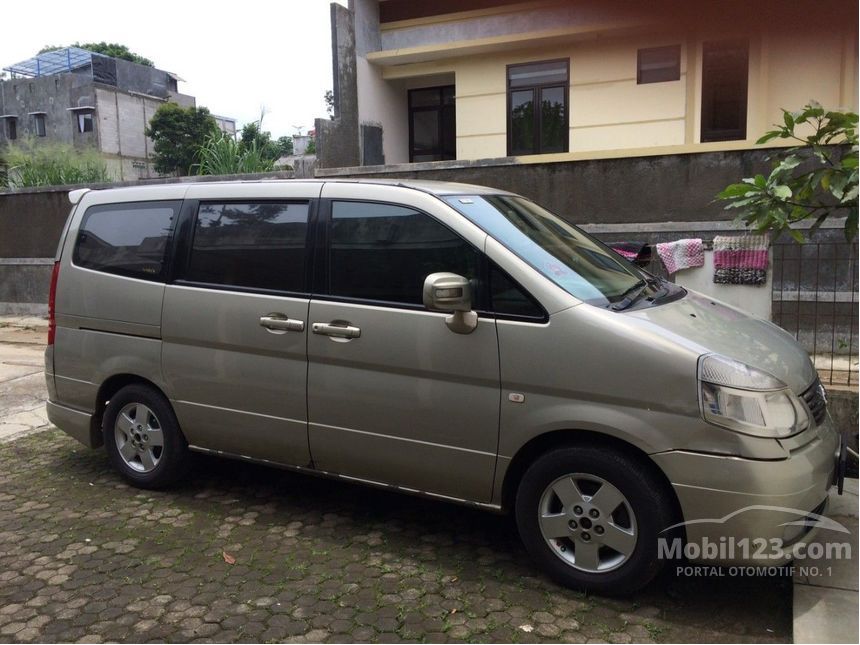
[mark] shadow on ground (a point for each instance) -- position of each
(82, 555)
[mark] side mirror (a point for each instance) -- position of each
(451, 293)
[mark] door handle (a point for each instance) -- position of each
(280, 324)
(336, 330)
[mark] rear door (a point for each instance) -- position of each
(397, 397)
(235, 325)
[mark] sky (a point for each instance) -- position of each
(236, 58)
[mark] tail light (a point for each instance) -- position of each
(52, 303)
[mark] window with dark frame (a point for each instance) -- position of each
(538, 107)
(11, 128)
(725, 78)
(432, 124)
(658, 64)
(39, 123)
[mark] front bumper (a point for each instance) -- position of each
(743, 504)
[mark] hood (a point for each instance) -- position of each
(718, 328)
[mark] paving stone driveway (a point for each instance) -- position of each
(85, 557)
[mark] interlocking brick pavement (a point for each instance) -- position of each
(84, 557)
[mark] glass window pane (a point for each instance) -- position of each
(384, 252)
(659, 64)
(254, 245)
(576, 262)
(509, 299)
(41, 129)
(725, 70)
(522, 122)
(425, 132)
(553, 130)
(429, 97)
(537, 74)
(128, 239)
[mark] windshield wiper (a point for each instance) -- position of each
(630, 296)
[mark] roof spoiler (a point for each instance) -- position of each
(75, 195)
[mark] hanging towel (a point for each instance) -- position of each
(636, 252)
(681, 254)
(740, 259)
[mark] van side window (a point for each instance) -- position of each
(127, 239)
(509, 299)
(384, 252)
(258, 245)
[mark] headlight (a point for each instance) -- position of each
(745, 399)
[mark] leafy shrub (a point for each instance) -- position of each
(51, 164)
(815, 180)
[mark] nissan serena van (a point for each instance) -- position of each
(447, 340)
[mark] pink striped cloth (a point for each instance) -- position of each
(681, 254)
(740, 259)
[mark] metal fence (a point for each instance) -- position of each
(815, 299)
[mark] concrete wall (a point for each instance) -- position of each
(52, 95)
(122, 120)
(338, 138)
(796, 53)
(30, 227)
(674, 188)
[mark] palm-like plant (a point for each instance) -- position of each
(223, 155)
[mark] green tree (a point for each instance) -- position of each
(285, 146)
(312, 146)
(178, 134)
(115, 50)
(815, 180)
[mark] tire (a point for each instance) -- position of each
(143, 439)
(562, 507)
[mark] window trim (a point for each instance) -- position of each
(713, 135)
(676, 68)
(537, 117)
(185, 245)
(166, 262)
(439, 119)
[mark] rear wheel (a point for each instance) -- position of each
(591, 517)
(143, 439)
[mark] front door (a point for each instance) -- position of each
(235, 329)
(394, 395)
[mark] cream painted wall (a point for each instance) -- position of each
(609, 111)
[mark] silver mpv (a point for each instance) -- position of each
(447, 340)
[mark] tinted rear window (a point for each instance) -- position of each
(127, 239)
(254, 245)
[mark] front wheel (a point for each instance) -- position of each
(592, 516)
(143, 439)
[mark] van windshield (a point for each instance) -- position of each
(575, 261)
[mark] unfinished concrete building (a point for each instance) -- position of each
(79, 97)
